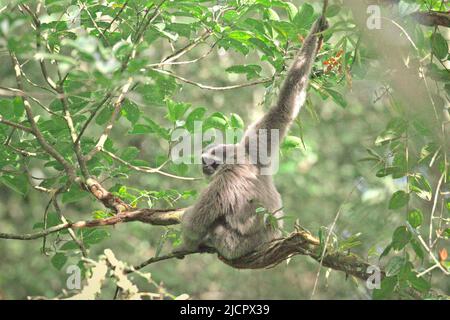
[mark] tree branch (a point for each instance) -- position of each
(432, 18)
(187, 48)
(269, 255)
(145, 169)
(126, 87)
(15, 125)
(70, 170)
(208, 87)
(428, 18)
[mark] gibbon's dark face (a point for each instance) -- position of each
(214, 157)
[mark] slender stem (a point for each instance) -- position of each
(34, 127)
(208, 87)
(145, 169)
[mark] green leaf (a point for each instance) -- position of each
(393, 131)
(103, 116)
(160, 27)
(291, 142)
(305, 16)
(415, 218)
(59, 260)
(439, 46)
(386, 251)
(417, 249)
(69, 245)
(18, 183)
(38, 225)
(6, 109)
(421, 186)
(217, 121)
(394, 266)
(53, 219)
(291, 10)
(250, 70)
(150, 127)
(241, 36)
(386, 288)
(385, 171)
(131, 111)
(400, 238)
(262, 46)
(140, 129)
(176, 110)
(196, 115)
(130, 153)
(271, 14)
(95, 236)
(337, 97)
(74, 194)
(332, 10)
(419, 283)
(236, 121)
(398, 200)
(446, 233)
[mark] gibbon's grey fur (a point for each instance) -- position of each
(225, 216)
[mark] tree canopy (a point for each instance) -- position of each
(93, 91)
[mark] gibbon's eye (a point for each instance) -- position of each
(215, 165)
(209, 166)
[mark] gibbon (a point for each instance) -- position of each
(226, 215)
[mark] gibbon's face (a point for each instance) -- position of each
(215, 156)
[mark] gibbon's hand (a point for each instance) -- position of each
(321, 25)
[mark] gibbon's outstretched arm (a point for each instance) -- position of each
(292, 95)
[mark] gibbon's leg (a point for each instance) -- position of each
(192, 232)
(230, 244)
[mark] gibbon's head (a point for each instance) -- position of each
(215, 156)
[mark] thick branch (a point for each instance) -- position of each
(432, 18)
(267, 256)
(157, 217)
(428, 18)
(107, 198)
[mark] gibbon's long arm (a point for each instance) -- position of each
(292, 95)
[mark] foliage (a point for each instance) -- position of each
(96, 78)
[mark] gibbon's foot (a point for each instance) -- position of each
(322, 26)
(182, 250)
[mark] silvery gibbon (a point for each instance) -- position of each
(226, 216)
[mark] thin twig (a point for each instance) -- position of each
(69, 229)
(330, 232)
(207, 87)
(194, 43)
(433, 209)
(146, 169)
(15, 125)
(116, 16)
(116, 110)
